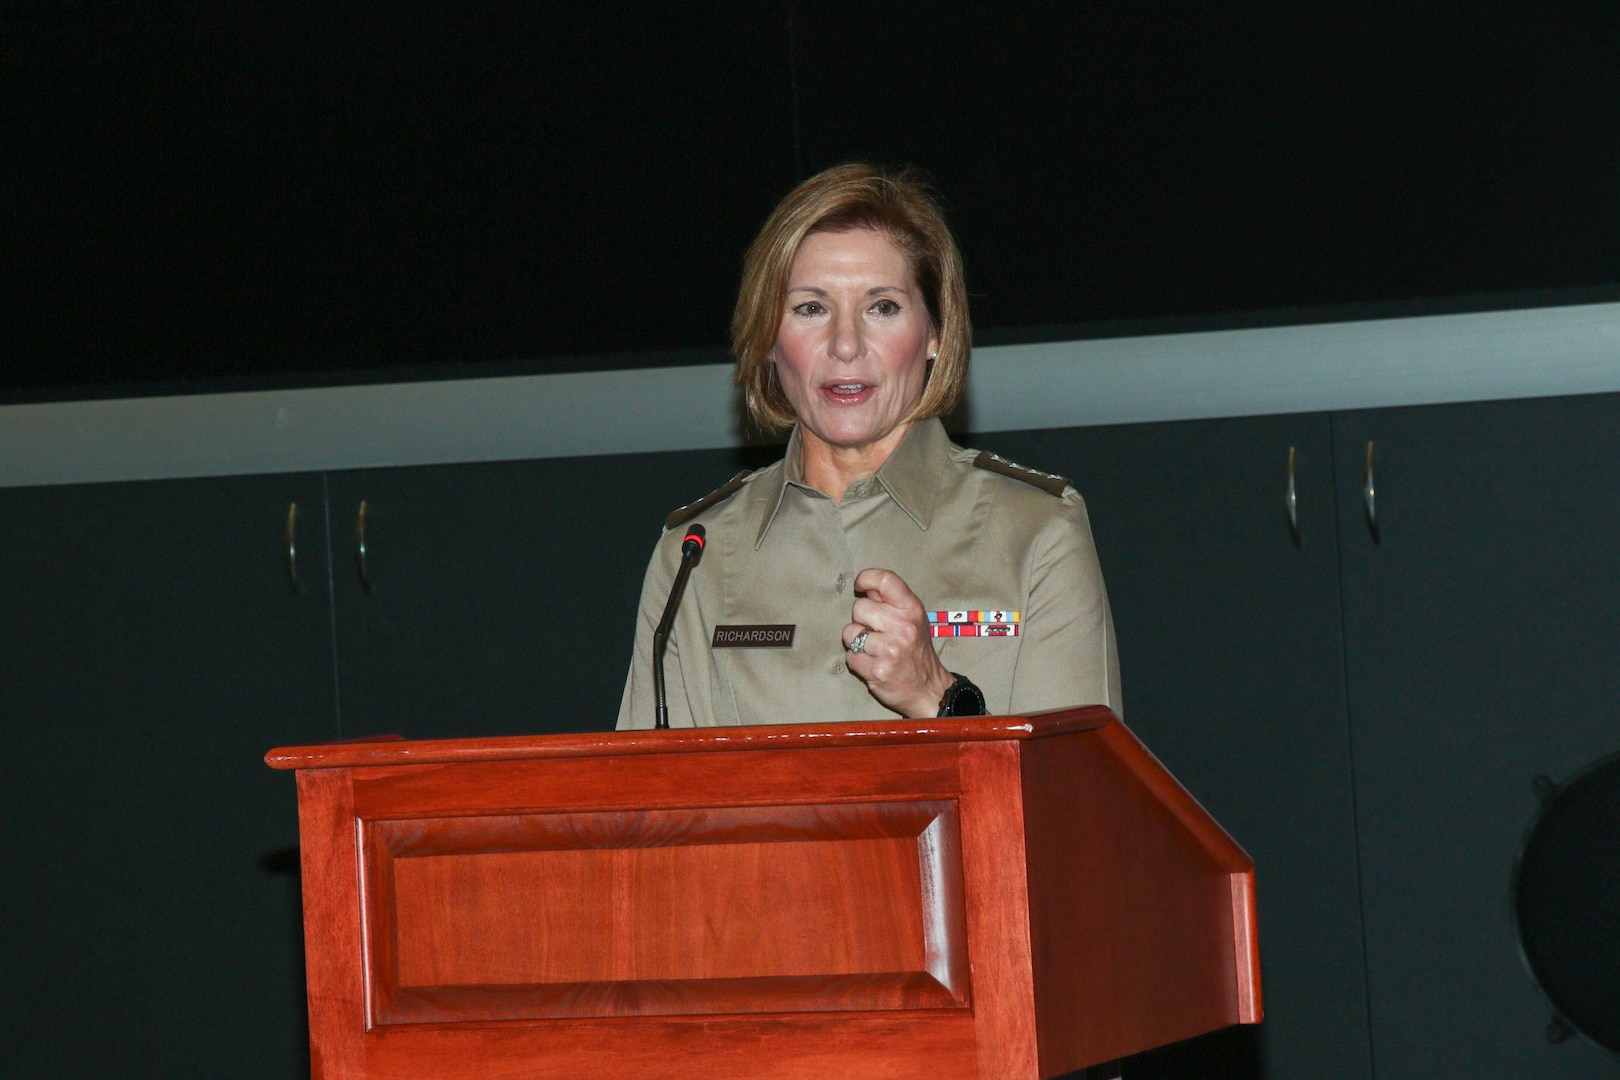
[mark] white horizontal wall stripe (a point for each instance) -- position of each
(360, 426)
(1415, 361)
(1482, 356)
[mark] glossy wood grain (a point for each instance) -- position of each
(349, 754)
(655, 782)
(329, 855)
(1008, 898)
(924, 1045)
(523, 917)
(1164, 933)
(998, 911)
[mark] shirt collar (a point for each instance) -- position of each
(912, 475)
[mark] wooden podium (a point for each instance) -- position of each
(1000, 897)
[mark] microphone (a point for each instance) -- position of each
(691, 548)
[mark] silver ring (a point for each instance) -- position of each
(859, 642)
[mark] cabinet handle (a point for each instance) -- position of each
(360, 547)
(292, 546)
(1369, 493)
(1291, 500)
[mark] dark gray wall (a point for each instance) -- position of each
(1365, 715)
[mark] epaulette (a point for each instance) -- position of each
(693, 509)
(1047, 482)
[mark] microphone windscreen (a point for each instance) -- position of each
(694, 540)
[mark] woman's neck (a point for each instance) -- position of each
(831, 469)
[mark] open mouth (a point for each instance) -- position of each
(847, 393)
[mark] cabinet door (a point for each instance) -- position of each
(1483, 638)
(153, 648)
(499, 598)
(1230, 646)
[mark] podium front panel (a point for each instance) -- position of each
(786, 908)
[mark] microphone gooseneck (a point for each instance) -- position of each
(691, 549)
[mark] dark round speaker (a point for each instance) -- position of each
(1566, 899)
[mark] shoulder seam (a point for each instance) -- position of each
(681, 515)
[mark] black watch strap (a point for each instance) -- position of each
(962, 698)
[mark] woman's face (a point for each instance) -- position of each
(852, 349)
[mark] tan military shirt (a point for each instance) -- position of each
(987, 538)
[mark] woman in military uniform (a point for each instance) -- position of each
(877, 570)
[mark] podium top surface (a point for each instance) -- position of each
(394, 751)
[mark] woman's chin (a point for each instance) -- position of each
(851, 437)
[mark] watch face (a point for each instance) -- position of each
(963, 699)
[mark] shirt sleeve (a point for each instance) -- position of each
(1069, 656)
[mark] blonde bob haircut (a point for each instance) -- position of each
(854, 196)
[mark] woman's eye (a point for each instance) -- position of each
(809, 309)
(886, 307)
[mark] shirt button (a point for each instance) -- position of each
(838, 586)
(838, 667)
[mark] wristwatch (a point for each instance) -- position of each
(962, 698)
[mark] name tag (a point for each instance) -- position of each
(764, 636)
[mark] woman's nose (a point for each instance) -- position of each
(846, 342)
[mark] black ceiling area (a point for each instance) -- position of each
(195, 196)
